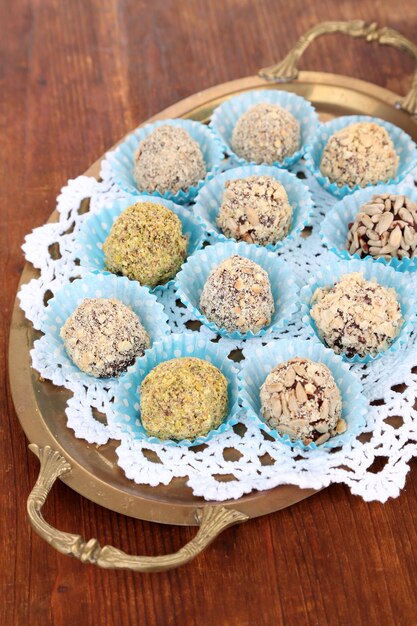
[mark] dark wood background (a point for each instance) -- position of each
(75, 76)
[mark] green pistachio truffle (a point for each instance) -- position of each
(183, 398)
(146, 244)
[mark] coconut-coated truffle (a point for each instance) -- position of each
(146, 244)
(168, 159)
(300, 398)
(255, 210)
(266, 133)
(237, 296)
(386, 226)
(183, 398)
(103, 337)
(356, 316)
(359, 154)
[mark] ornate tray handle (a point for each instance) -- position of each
(287, 69)
(212, 519)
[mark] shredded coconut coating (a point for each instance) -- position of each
(360, 154)
(356, 316)
(385, 227)
(169, 159)
(255, 210)
(183, 398)
(300, 399)
(103, 337)
(146, 244)
(237, 296)
(266, 133)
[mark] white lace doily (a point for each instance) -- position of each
(374, 467)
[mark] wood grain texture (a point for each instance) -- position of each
(74, 77)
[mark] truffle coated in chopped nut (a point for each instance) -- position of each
(168, 159)
(183, 398)
(356, 316)
(266, 133)
(103, 337)
(255, 210)
(386, 226)
(359, 154)
(146, 244)
(237, 296)
(300, 398)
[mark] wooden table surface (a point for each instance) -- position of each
(74, 77)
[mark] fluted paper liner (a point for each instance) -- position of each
(126, 414)
(194, 274)
(260, 361)
(210, 198)
(403, 145)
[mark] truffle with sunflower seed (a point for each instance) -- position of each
(300, 398)
(385, 227)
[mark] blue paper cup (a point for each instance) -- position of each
(94, 285)
(335, 226)
(126, 414)
(260, 361)
(194, 274)
(122, 160)
(224, 119)
(385, 276)
(403, 144)
(210, 198)
(96, 228)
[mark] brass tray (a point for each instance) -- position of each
(91, 470)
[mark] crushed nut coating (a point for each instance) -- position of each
(146, 244)
(103, 337)
(385, 227)
(183, 398)
(237, 296)
(169, 159)
(255, 210)
(356, 316)
(266, 133)
(300, 399)
(359, 154)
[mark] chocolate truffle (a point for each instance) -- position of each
(386, 227)
(359, 154)
(183, 398)
(237, 296)
(356, 316)
(168, 159)
(103, 337)
(300, 399)
(255, 210)
(266, 133)
(146, 244)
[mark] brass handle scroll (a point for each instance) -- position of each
(212, 520)
(287, 69)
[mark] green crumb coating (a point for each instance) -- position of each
(183, 398)
(146, 244)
